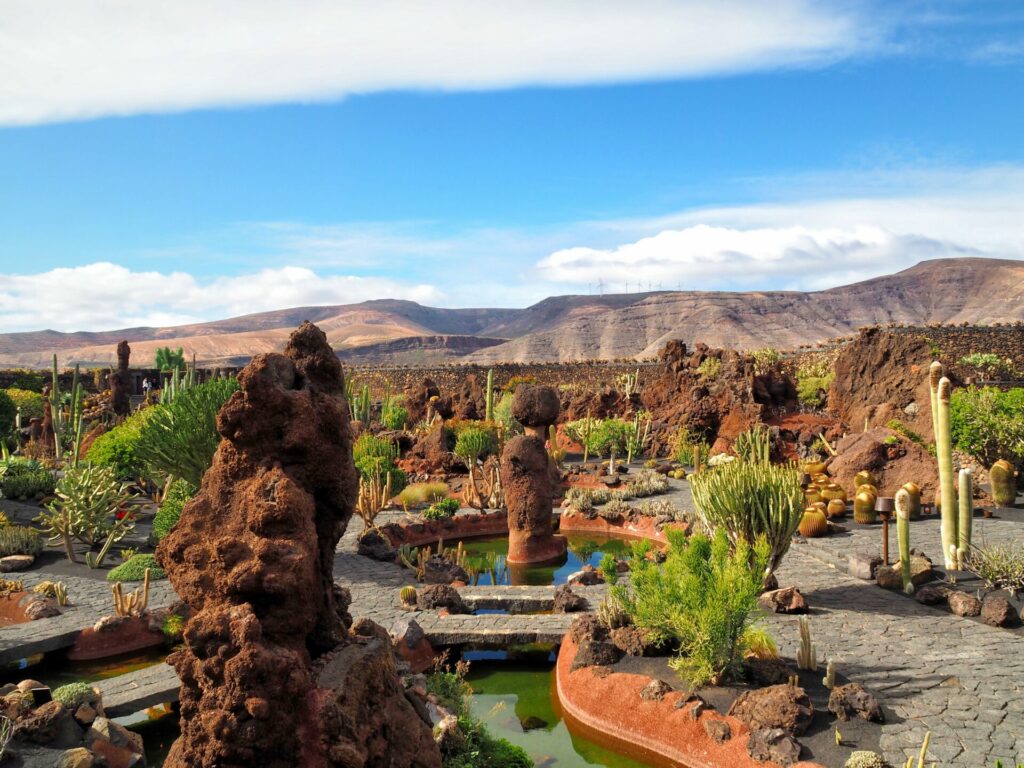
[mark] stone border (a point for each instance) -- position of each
(638, 528)
(462, 526)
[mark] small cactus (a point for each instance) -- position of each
(864, 507)
(903, 504)
(807, 656)
(1004, 483)
(407, 595)
(813, 524)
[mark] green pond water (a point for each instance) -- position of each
(584, 549)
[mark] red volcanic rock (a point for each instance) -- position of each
(779, 706)
(120, 382)
(536, 408)
(528, 491)
(252, 556)
(469, 401)
(786, 600)
(423, 398)
(892, 465)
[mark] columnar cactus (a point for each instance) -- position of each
(966, 512)
(489, 396)
(947, 486)
(1004, 483)
(903, 503)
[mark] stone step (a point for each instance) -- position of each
(138, 690)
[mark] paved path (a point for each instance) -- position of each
(962, 680)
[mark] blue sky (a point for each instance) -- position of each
(216, 164)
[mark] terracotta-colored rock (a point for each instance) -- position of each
(963, 604)
(997, 611)
(253, 557)
(779, 706)
(121, 382)
(852, 699)
(892, 465)
(528, 491)
(536, 408)
(785, 600)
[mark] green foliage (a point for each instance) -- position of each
(608, 435)
(610, 568)
(135, 569)
(180, 437)
(31, 403)
(503, 415)
(700, 600)
(473, 443)
(25, 479)
(173, 625)
(684, 443)
(375, 457)
(988, 423)
(749, 501)
(765, 359)
(19, 540)
(1000, 566)
(478, 748)
(710, 368)
(176, 497)
(394, 417)
(420, 493)
(118, 448)
(989, 362)
(898, 426)
(441, 510)
(88, 498)
(8, 410)
(754, 446)
(73, 695)
(168, 359)
(813, 378)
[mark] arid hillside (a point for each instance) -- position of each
(566, 328)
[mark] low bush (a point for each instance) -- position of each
(441, 510)
(701, 601)
(474, 442)
(73, 695)
(422, 493)
(118, 448)
(134, 569)
(394, 417)
(686, 442)
(167, 515)
(988, 423)
(813, 378)
(375, 457)
(30, 403)
(25, 479)
(710, 368)
(19, 540)
(503, 415)
(1000, 566)
(647, 482)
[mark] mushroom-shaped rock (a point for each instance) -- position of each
(536, 408)
(528, 490)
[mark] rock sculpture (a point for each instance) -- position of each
(120, 382)
(527, 483)
(270, 673)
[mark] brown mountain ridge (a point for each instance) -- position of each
(566, 328)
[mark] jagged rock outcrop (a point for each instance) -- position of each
(121, 382)
(270, 674)
(526, 479)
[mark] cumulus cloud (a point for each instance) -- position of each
(78, 60)
(104, 296)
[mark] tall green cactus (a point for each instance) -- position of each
(947, 485)
(903, 504)
(489, 396)
(966, 513)
(934, 376)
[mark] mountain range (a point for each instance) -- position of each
(566, 328)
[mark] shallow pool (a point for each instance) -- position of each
(485, 560)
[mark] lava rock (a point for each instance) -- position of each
(374, 545)
(631, 640)
(997, 611)
(932, 594)
(567, 601)
(773, 744)
(436, 596)
(963, 604)
(718, 730)
(862, 566)
(587, 627)
(853, 699)
(891, 577)
(786, 600)
(655, 690)
(595, 653)
(13, 563)
(779, 706)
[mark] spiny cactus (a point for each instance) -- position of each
(947, 485)
(903, 504)
(1004, 483)
(134, 603)
(407, 595)
(489, 396)
(829, 681)
(813, 524)
(864, 507)
(807, 656)
(914, 491)
(963, 543)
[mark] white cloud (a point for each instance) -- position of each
(77, 60)
(105, 296)
(846, 228)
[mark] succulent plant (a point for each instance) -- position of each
(902, 503)
(1004, 483)
(864, 478)
(864, 507)
(813, 524)
(407, 595)
(836, 508)
(914, 491)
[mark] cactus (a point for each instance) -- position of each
(134, 603)
(637, 438)
(829, 681)
(836, 508)
(489, 396)
(864, 507)
(903, 504)
(914, 492)
(864, 478)
(807, 656)
(963, 543)
(813, 524)
(934, 376)
(947, 486)
(407, 595)
(1004, 483)
(585, 431)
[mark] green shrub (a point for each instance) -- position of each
(88, 500)
(8, 410)
(394, 417)
(710, 368)
(898, 426)
(765, 359)
(19, 540)
(134, 569)
(988, 423)
(989, 362)
(25, 479)
(684, 443)
(473, 443)
(180, 437)
(421, 493)
(118, 448)
(173, 626)
(177, 496)
(749, 501)
(31, 403)
(375, 457)
(503, 415)
(73, 695)
(812, 391)
(610, 568)
(700, 600)
(754, 446)
(442, 509)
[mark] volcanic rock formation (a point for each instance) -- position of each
(120, 383)
(526, 479)
(270, 673)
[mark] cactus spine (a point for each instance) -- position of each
(489, 396)
(966, 512)
(1004, 483)
(947, 486)
(903, 504)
